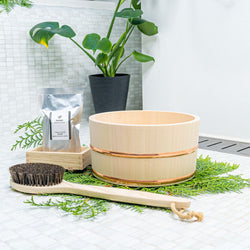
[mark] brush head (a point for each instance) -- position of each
(37, 174)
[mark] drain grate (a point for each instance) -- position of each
(225, 146)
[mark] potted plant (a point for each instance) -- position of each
(109, 89)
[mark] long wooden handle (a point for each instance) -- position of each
(107, 193)
(125, 195)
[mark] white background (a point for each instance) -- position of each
(202, 63)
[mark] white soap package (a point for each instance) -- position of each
(62, 111)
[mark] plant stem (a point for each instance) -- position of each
(116, 47)
(133, 27)
(105, 73)
(122, 62)
(90, 56)
(113, 19)
(129, 32)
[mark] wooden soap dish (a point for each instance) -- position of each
(68, 160)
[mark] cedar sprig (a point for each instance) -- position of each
(75, 205)
(32, 136)
(8, 5)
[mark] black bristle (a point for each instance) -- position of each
(37, 174)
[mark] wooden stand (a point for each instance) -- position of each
(68, 160)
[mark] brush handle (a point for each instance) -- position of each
(107, 193)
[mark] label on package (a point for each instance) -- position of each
(60, 125)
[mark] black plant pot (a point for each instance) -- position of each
(109, 93)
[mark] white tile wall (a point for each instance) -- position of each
(26, 66)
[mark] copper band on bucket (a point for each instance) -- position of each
(129, 155)
(141, 182)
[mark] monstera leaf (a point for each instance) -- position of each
(142, 57)
(101, 58)
(137, 21)
(129, 13)
(136, 4)
(148, 28)
(43, 32)
(94, 42)
(104, 45)
(90, 41)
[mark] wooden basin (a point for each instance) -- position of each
(144, 148)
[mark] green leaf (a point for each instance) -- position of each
(43, 32)
(129, 13)
(101, 58)
(104, 45)
(94, 42)
(137, 21)
(117, 56)
(45, 25)
(136, 4)
(118, 51)
(65, 31)
(142, 57)
(91, 41)
(148, 28)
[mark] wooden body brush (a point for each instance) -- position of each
(41, 178)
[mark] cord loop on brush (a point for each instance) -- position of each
(189, 215)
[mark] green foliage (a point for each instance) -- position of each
(111, 56)
(76, 205)
(207, 180)
(141, 57)
(91, 41)
(8, 5)
(43, 32)
(32, 134)
(148, 28)
(94, 42)
(137, 21)
(211, 178)
(101, 58)
(129, 13)
(136, 4)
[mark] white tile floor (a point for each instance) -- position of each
(225, 226)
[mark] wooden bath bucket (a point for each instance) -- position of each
(144, 148)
